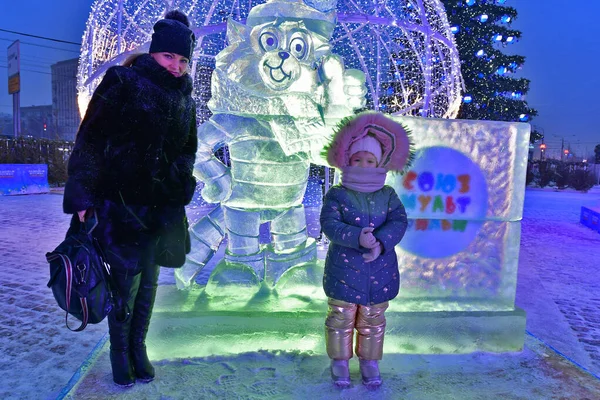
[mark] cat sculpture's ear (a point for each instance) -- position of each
(236, 32)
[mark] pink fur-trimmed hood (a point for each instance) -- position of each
(397, 148)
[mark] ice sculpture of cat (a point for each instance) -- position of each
(277, 92)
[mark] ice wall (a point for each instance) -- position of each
(464, 198)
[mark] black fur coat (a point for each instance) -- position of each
(133, 161)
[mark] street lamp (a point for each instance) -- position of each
(563, 151)
(542, 151)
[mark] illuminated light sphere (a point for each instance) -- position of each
(523, 117)
(505, 19)
(368, 36)
(500, 1)
(483, 17)
(480, 53)
(510, 39)
(470, 2)
(455, 29)
(467, 99)
(501, 70)
(497, 37)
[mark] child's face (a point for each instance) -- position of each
(363, 159)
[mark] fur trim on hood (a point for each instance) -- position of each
(396, 143)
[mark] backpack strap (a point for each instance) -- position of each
(69, 275)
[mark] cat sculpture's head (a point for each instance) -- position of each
(276, 53)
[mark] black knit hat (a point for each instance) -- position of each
(173, 35)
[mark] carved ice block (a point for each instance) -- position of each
(463, 196)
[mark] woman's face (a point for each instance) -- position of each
(363, 159)
(174, 63)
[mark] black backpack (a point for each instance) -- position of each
(80, 277)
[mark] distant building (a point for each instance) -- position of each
(36, 121)
(6, 125)
(65, 111)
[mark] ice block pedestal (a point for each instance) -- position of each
(187, 324)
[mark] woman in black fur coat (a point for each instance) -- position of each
(132, 167)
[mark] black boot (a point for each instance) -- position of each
(140, 321)
(119, 325)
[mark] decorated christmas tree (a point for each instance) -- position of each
(482, 30)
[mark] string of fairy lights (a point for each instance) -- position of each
(405, 48)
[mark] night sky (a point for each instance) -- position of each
(561, 43)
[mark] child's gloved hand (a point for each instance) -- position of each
(374, 253)
(366, 238)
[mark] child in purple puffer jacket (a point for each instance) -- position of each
(364, 220)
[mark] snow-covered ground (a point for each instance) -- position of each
(559, 269)
(557, 286)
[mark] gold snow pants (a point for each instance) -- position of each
(343, 318)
